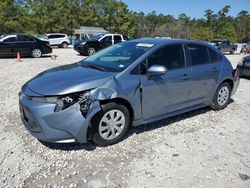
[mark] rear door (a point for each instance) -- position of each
(24, 44)
(205, 64)
(117, 39)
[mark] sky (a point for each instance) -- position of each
(192, 8)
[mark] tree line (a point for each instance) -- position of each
(44, 16)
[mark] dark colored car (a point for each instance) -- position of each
(224, 45)
(128, 84)
(26, 45)
(244, 67)
(98, 42)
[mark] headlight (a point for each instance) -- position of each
(63, 102)
(82, 44)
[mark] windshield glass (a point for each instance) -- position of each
(97, 37)
(118, 57)
(1, 37)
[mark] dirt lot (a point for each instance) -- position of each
(203, 148)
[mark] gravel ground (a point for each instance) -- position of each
(203, 148)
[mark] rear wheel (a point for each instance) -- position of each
(36, 53)
(222, 97)
(64, 45)
(110, 125)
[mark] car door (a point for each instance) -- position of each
(106, 41)
(52, 39)
(169, 92)
(24, 45)
(8, 46)
(205, 64)
(117, 39)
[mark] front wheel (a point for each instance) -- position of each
(91, 51)
(36, 53)
(222, 97)
(110, 125)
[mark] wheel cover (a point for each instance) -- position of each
(112, 124)
(65, 45)
(223, 95)
(91, 51)
(36, 53)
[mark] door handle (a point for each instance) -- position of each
(186, 77)
(215, 69)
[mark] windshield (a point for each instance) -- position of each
(118, 57)
(1, 37)
(97, 37)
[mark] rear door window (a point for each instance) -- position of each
(117, 38)
(24, 39)
(199, 54)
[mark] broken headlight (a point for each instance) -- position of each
(64, 102)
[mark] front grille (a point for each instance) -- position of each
(29, 120)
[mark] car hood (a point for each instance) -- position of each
(65, 80)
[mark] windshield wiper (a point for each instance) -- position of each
(93, 66)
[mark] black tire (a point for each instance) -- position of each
(64, 45)
(96, 123)
(216, 105)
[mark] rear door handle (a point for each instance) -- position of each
(186, 77)
(215, 69)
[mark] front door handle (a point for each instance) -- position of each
(186, 77)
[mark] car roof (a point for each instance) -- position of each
(162, 41)
(55, 34)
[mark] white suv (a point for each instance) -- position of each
(58, 39)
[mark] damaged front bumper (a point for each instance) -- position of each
(45, 124)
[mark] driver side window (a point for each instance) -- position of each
(107, 39)
(170, 56)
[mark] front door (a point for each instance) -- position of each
(169, 92)
(106, 41)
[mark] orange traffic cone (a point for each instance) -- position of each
(53, 57)
(18, 57)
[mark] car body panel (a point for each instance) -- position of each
(151, 99)
(244, 67)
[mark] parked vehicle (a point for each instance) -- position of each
(131, 83)
(244, 67)
(58, 39)
(26, 45)
(98, 42)
(224, 45)
(245, 48)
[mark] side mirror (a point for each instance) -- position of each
(156, 70)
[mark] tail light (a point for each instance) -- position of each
(48, 44)
(236, 74)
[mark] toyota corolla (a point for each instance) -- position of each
(128, 84)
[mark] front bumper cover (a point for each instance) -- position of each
(46, 125)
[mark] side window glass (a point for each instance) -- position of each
(107, 39)
(171, 56)
(199, 54)
(11, 39)
(213, 55)
(117, 38)
(24, 38)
